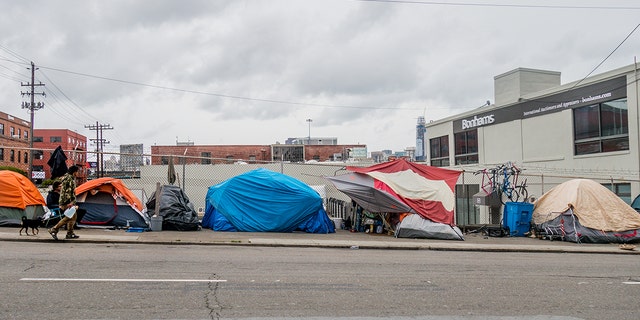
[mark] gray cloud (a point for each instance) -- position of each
(363, 71)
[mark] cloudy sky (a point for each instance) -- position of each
(253, 71)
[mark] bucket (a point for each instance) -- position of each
(337, 222)
(156, 223)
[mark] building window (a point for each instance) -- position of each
(2, 129)
(439, 151)
(55, 139)
(466, 211)
(206, 157)
(26, 157)
(466, 147)
(26, 135)
(12, 156)
(601, 127)
(38, 154)
(2, 154)
(229, 159)
(37, 139)
(623, 190)
(164, 160)
(12, 131)
(291, 153)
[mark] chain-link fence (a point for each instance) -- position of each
(195, 179)
(537, 180)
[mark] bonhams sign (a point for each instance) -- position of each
(588, 95)
(478, 122)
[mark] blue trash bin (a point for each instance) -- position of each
(517, 218)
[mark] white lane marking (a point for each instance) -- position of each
(121, 280)
(631, 282)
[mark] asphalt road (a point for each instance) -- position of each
(126, 281)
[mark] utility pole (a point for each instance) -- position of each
(32, 106)
(100, 142)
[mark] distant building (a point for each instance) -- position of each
(212, 154)
(14, 138)
(313, 140)
(45, 141)
(410, 153)
(131, 157)
(381, 156)
(420, 154)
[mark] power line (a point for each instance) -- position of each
(467, 4)
(68, 98)
(605, 59)
(14, 54)
(24, 76)
(222, 95)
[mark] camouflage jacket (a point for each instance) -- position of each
(68, 191)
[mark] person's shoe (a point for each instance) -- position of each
(53, 234)
(72, 236)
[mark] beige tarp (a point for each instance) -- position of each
(595, 206)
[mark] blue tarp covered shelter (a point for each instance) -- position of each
(265, 201)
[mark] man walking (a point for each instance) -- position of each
(67, 204)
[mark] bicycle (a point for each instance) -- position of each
(510, 189)
(489, 177)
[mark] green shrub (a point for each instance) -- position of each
(14, 169)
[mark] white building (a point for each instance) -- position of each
(584, 129)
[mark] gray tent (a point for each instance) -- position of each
(359, 187)
(415, 226)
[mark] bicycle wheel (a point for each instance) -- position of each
(503, 195)
(515, 196)
(522, 191)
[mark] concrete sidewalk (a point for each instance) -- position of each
(340, 239)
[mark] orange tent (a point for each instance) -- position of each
(111, 185)
(16, 191)
(19, 197)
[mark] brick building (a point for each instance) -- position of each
(211, 154)
(14, 142)
(45, 141)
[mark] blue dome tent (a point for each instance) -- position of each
(265, 201)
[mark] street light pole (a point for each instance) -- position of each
(309, 140)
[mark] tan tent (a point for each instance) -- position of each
(597, 211)
(595, 206)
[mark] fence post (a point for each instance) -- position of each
(184, 164)
(156, 211)
(282, 163)
(541, 184)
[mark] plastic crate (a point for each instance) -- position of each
(517, 218)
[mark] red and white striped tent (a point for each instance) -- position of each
(402, 186)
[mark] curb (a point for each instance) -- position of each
(327, 243)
